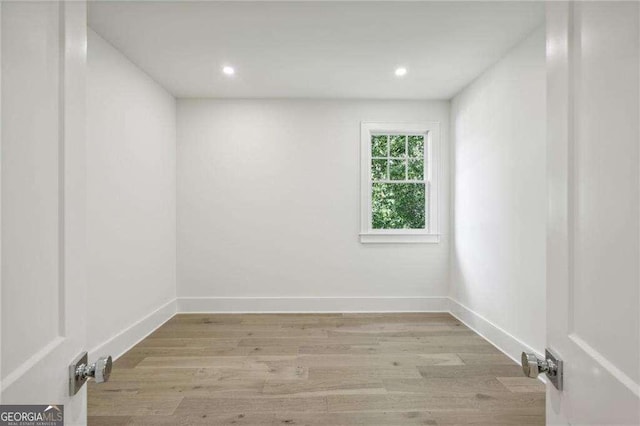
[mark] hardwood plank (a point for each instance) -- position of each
(129, 360)
(493, 418)
(322, 387)
(182, 342)
(474, 358)
(209, 351)
(464, 371)
(362, 373)
(422, 317)
(416, 332)
(526, 403)
(205, 376)
(206, 318)
(251, 405)
(522, 384)
(108, 420)
(275, 332)
(245, 362)
(381, 361)
(427, 348)
(240, 389)
(454, 339)
(359, 418)
(489, 401)
(334, 349)
(383, 348)
(397, 327)
(235, 419)
(147, 375)
(125, 405)
(398, 402)
(445, 386)
(304, 341)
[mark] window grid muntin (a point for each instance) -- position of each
(424, 157)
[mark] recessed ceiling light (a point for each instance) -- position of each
(228, 70)
(401, 71)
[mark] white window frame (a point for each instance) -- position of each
(430, 234)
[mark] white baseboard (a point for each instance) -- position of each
(501, 339)
(132, 335)
(311, 304)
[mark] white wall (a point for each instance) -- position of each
(498, 256)
(130, 195)
(268, 206)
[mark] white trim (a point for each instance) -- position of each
(501, 339)
(117, 345)
(431, 160)
(311, 304)
(386, 237)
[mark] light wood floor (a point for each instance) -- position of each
(333, 369)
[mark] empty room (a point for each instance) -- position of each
(319, 213)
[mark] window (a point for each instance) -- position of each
(398, 183)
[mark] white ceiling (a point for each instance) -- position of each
(314, 49)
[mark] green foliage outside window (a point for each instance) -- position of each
(416, 169)
(379, 146)
(397, 146)
(379, 169)
(416, 146)
(398, 205)
(397, 169)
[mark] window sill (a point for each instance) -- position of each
(388, 238)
